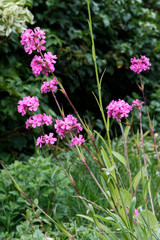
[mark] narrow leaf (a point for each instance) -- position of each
(120, 157)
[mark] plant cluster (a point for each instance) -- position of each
(128, 207)
(123, 30)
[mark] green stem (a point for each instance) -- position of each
(140, 164)
(99, 82)
(145, 164)
(149, 119)
(126, 154)
(64, 170)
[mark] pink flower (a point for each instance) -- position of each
(118, 109)
(46, 119)
(38, 120)
(49, 86)
(49, 138)
(28, 103)
(137, 104)
(33, 40)
(45, 65)
(77, 140)
(139, 65)
(40, 141)
(135, 213)
(46, 139)
(67, 125)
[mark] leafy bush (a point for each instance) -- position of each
(40, 179)
(116, 212)
(14, 17)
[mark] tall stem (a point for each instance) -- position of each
(94, 158)
(151, 126)
(96, 181)
(140, 164)
(126, 154)
(99, 100)
(64, 170)
(144, 158)
(85, 163)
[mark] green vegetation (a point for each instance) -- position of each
(91, 191)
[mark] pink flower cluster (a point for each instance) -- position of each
(137, 104)
(67, 125)
(45, 65)
(28, 103)
(38, 120)
(49, 139)
(118, 109)
(49, 86)
(77, 140)
(33, 40)
(139, 65)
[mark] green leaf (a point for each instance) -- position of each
(106, 158)
(38, 235)
(126, 131)
(147, 217)
(137, 178)
(127, 199)
(120, 157)
(131, 211)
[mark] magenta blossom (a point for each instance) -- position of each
(137, 104)
(49, 139)
(77, 140)
(38, 120)
(33, 40)
(118, 109)
(67, 125)
(49, 86)
(139, 65)
(28, 104)
(40, 141)
(135, 213)
(45, 65)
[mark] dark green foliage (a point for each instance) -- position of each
(121, 30)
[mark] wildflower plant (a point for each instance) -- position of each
(127, 219)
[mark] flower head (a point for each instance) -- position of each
(45, 65)
(67, 125)
(118, 109)
(139, 65)
(49, 86)
(46, 139)
(28, 103)
(77, 140)
(137, 104)
(40, 141)
(38, 120)
(33, 40)
(49, 138)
